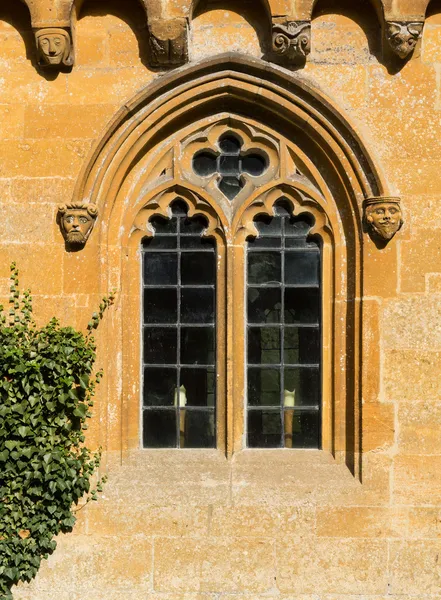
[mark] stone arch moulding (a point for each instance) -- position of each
(331, 170)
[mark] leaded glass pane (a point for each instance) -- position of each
(284, 334)
(179, 300)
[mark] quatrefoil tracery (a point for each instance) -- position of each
(231, 163)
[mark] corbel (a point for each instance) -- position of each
(168, 41)
(55, 48)
(291, 40)
(76, 221)
(382, 218)
(403, 36)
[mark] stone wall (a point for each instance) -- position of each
(294, 525)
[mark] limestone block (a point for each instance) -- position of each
(412, 323)
(216, 564)
(92, 50)
(34, 221)
(422, 384)
(86, 86)
(362, 522)
(346, 83)
(419, 426)
(330, 566)
(378, 426)
(53, 190)
(62, 122)
(128, 519)
(425, 522)
(260, 521)
(414, 567)
(42, 158)
(417, 479)
(338, 39)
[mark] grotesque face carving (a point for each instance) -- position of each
(383, 217)
(403, 37)
(54, 47)
(77, 221)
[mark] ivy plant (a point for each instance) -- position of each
(47, 384)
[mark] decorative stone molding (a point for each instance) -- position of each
(168, 42)
(382, 218)
(54, 47)
(76, 222)
(292, 39)
(403, 36)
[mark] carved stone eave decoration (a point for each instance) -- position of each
(168, 42)
(292, 40)
(76, 222)
(382, 218)
(403, 36)
(54, 47)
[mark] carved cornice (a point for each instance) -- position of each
(403, 36)
(292, 39)
(168, 42)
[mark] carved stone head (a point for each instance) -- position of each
(403, 37)
(77, 221)
(54, 47)
(383, 217)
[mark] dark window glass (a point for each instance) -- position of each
(264, 345)
(198, 268)
(197, 429)
(264, 268)
(254, 164)
(160, 305)
(284, 336)
(197, 305)
(302, 346)
(230, 165)
(263, 387)
(230, 144)
(230, 186)
(264, 429)
(302, 429)
(161, 268)
(159, 386)
(197, 345)
(204, 164)
(199, 385)
(264, 305)
(159, 429)
(179, 388)
(302, 268)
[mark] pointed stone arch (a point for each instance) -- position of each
(131, 172)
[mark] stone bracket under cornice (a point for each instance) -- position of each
(291, 40)
(53, 23)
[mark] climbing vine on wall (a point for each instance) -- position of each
(46, 395)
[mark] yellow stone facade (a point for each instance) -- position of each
(358, 520)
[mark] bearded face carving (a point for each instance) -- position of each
(76, 222)
(383, 217)
(54, 47)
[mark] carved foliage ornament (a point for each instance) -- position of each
(403, 36)
(76, 222)
(292, 39)
(54, 47)
(383, 217)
